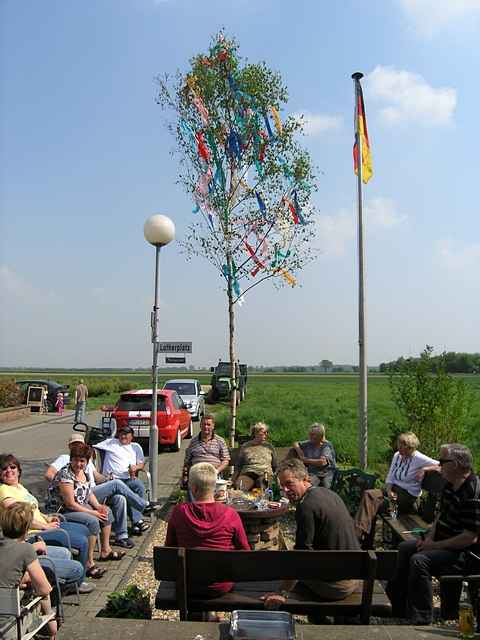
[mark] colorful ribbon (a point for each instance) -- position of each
(277, 121)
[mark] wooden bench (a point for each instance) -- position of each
(258, 572)
(409, 526)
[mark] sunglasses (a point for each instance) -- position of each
(10, 466)
(443, 461)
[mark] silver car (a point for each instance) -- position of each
(190, 391)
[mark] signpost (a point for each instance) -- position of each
(174, 347)
(175, 360)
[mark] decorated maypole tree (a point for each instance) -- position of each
(249, 179)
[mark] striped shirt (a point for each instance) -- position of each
(214, 451)
(460, 509)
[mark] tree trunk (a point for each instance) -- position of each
(231, 345)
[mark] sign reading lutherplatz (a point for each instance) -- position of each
(175, 347)
(175, 360)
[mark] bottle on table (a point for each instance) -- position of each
(465, 617)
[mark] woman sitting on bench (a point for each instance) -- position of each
(19, 566)
(257, 460)
(403, 484)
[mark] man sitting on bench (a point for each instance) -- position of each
(323, 523)
(206, 524)
(455, 531)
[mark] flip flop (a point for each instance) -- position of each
(113, 555)
(95, 572)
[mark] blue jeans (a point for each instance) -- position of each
(120, 498)
(137, 487)
(92, 523)
(410, 591)
(77, 533)
(67, 570)
(80, 411)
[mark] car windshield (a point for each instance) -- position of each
(140, 403)
(182, 388)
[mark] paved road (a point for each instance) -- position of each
(37, 444)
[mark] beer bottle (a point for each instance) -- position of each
(466, 622)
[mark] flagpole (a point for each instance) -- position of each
(362, 342)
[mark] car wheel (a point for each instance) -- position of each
(178, 441)
(190, 431)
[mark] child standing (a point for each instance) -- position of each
(59, 403)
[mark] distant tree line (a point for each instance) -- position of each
(451, 362)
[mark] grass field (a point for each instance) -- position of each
(289, 403)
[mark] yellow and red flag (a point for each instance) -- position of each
(361, 133)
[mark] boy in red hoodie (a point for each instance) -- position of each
(206, 524)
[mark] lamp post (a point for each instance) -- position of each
(158, 230)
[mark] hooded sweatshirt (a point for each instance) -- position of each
(207, 525)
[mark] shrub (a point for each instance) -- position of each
(132, 603)
(434, 405)
(10, 394)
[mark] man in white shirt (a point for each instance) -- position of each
(123, 458)
(114, 492)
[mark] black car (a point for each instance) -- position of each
(52, 387)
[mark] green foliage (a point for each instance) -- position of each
(10, 393)
(452, 361)
(132, 603)
(433, 404)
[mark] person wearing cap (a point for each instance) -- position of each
(122, 460)
(113, 492)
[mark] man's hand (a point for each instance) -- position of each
(323, 460)
(52, 524)
(273, 600)
(426, 545)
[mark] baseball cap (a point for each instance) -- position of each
(76, 437)
(125, 429)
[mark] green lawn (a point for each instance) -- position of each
(289, 403)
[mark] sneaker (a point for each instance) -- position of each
(151, 507)
(125, 543)
(86, 587)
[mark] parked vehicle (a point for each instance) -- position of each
(221, 382)
(174, 421)
(191, 393)
(52, 388)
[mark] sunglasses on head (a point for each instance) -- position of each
(443, 461)
(9, 466)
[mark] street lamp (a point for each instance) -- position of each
(158, 230)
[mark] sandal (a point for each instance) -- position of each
(113, 555)
(125, 543)
(95, 572)
(139, 527)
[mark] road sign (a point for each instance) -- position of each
(175, 347)
(175, 360)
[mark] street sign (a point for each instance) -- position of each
(175, 360)
(175, 347)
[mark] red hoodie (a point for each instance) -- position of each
(207, 525)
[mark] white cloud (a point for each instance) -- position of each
(315, 124)
(431, 16)
(382, 213)
(459, 258)
(409, 98)
(16, 286)
(336, 233)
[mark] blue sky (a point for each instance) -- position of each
(85, 160)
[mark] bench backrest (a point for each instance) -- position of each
(350, 485)
(248, 566)
(386, 564)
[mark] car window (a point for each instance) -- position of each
(140, 403)
(183, 388)
(177, 401)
